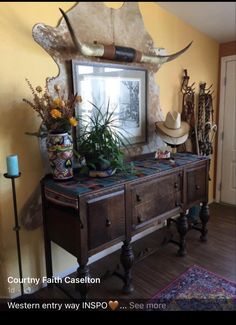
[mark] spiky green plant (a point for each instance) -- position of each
(101, 140)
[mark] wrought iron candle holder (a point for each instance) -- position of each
(16, 228)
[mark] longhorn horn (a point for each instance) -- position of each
(119, 53)
(160, 59)
(85, 49)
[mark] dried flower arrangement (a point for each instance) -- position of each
(56, 112)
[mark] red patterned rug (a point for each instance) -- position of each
(197, 289)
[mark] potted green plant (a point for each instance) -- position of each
(100, 142)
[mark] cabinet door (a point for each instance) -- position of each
(106, 218)
(155, 197)
(197, 184)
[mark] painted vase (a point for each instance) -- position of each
(60, 153)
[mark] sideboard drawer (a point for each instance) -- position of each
(106, 218)
(155, 197)
(196, 184)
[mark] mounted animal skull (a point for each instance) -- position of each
(119, 53)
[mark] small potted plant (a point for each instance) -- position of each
(100, 143)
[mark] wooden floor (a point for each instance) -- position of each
(155, 271)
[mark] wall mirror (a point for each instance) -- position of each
(123, 87)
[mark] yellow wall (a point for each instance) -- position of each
(22, 57)
(201, 60)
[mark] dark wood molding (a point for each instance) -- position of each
(226, 49)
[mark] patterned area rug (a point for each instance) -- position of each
(196, 289)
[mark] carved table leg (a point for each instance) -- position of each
(127, 259)
(47, 241)
(48, 256)
(83, 287)
(182, 227)
(204, 216)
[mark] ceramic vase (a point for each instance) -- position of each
(60, 153)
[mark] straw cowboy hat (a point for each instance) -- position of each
(173, 130)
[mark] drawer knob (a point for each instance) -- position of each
(176, 185)
(197, 187)
(140, 219)
(108, 223)
(177, 204)
(138, 198)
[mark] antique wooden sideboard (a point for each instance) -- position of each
(86, 215)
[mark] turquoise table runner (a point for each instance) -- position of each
(67, 192)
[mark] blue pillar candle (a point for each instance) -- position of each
(12, 165)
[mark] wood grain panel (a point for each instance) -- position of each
(106, 218)
(153, 198)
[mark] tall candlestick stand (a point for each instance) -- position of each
(16, 227)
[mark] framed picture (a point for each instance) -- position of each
(123, 88)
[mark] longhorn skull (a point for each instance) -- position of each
(119, 53)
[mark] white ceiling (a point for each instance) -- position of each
(216, 19)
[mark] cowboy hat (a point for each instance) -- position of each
(173, 130)
(173, 141)
(173, 126)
